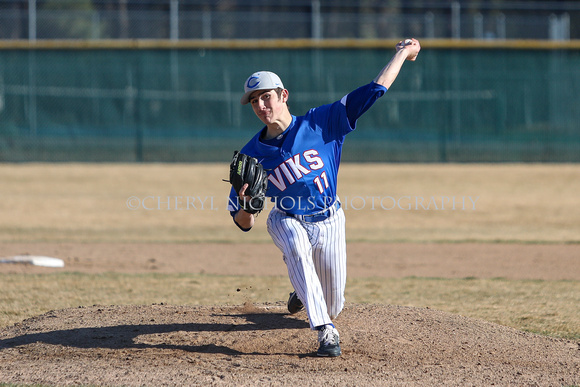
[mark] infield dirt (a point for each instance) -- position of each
(262, 345)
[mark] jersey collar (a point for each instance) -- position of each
(267, 148)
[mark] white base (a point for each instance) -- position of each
(35, 260)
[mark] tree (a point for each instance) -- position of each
(67, 19)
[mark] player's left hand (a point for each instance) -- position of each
(250, 181)
(412, 46)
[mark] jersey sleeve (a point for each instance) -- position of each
(360, 100)
(339, 118)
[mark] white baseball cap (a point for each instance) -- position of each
(261, 80)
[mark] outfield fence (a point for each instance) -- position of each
(461, 101)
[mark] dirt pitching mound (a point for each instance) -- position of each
(262, 344)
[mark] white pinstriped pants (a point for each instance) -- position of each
(315, 255)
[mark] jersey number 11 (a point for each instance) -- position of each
(319, 183)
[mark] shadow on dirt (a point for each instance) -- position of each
(124, 336)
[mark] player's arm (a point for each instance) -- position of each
(389, 73)
(360, 100)
(243, 219)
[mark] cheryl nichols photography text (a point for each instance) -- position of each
(348, 203)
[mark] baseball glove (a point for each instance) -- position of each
(245, 169)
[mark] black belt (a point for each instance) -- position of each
(319, 216)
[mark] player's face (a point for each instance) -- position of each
(267, 106)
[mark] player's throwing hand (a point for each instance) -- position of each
(412, 46)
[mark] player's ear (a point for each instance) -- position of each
(285, 95)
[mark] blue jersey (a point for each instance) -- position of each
(302, 163)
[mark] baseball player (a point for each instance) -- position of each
(301, 155)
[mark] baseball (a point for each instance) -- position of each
(408, 41)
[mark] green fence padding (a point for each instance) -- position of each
(182, 105)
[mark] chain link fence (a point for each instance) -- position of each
(300, 19)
